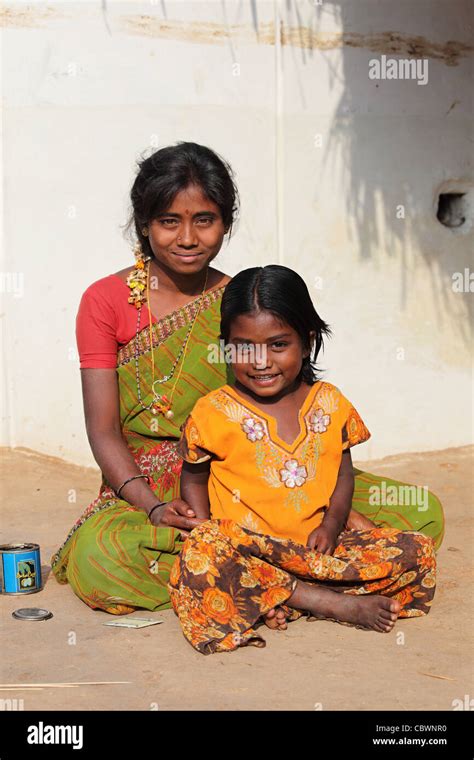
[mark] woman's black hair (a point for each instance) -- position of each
(282, 292)
(167, 171)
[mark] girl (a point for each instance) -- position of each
(268, 460)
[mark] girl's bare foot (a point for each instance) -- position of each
(377, 613)
(356, 521)
(276, 618)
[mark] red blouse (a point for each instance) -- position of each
(105, 322)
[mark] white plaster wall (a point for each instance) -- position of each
(85, 92)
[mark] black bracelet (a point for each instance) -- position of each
(160, 504)
(134, 477)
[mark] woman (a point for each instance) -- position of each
(119, 553)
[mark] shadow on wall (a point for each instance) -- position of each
(438, 207)
(438, 201)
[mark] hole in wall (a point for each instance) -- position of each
(451, 209)
(455, 206)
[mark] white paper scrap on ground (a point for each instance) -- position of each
(135, 622)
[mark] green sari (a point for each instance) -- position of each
(114, 558)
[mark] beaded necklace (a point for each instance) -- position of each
(139, 281)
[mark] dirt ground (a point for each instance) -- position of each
(311, 666)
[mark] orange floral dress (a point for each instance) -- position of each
(256, 478)
(266, 496)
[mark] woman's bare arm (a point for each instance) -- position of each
(102, 414)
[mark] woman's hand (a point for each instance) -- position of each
(176, 514)
(356, 521)
(323, 539)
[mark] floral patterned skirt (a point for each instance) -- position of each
(226, 577)
(115, 560)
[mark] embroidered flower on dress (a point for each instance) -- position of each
(320, 421)
(293, 474)
(254, 430)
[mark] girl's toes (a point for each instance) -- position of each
(270, 619)
(387, 625)
(275, 619)
(387, 616)
(390, 609)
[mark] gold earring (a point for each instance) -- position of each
(145, 231)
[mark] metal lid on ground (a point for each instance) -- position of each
(32, 613)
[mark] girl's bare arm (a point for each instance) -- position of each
(324, 537)
(194, 488)
(341, 499)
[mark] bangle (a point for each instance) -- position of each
(160, 504)
(134, 477)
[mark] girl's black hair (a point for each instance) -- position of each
(167, 171)
(282, 292)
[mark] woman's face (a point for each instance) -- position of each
(188, 235)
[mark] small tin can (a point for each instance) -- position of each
(20, 569)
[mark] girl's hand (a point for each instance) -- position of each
(176, 514)
(323, 539)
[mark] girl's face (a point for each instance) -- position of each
(189, 234)
(274, 357)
